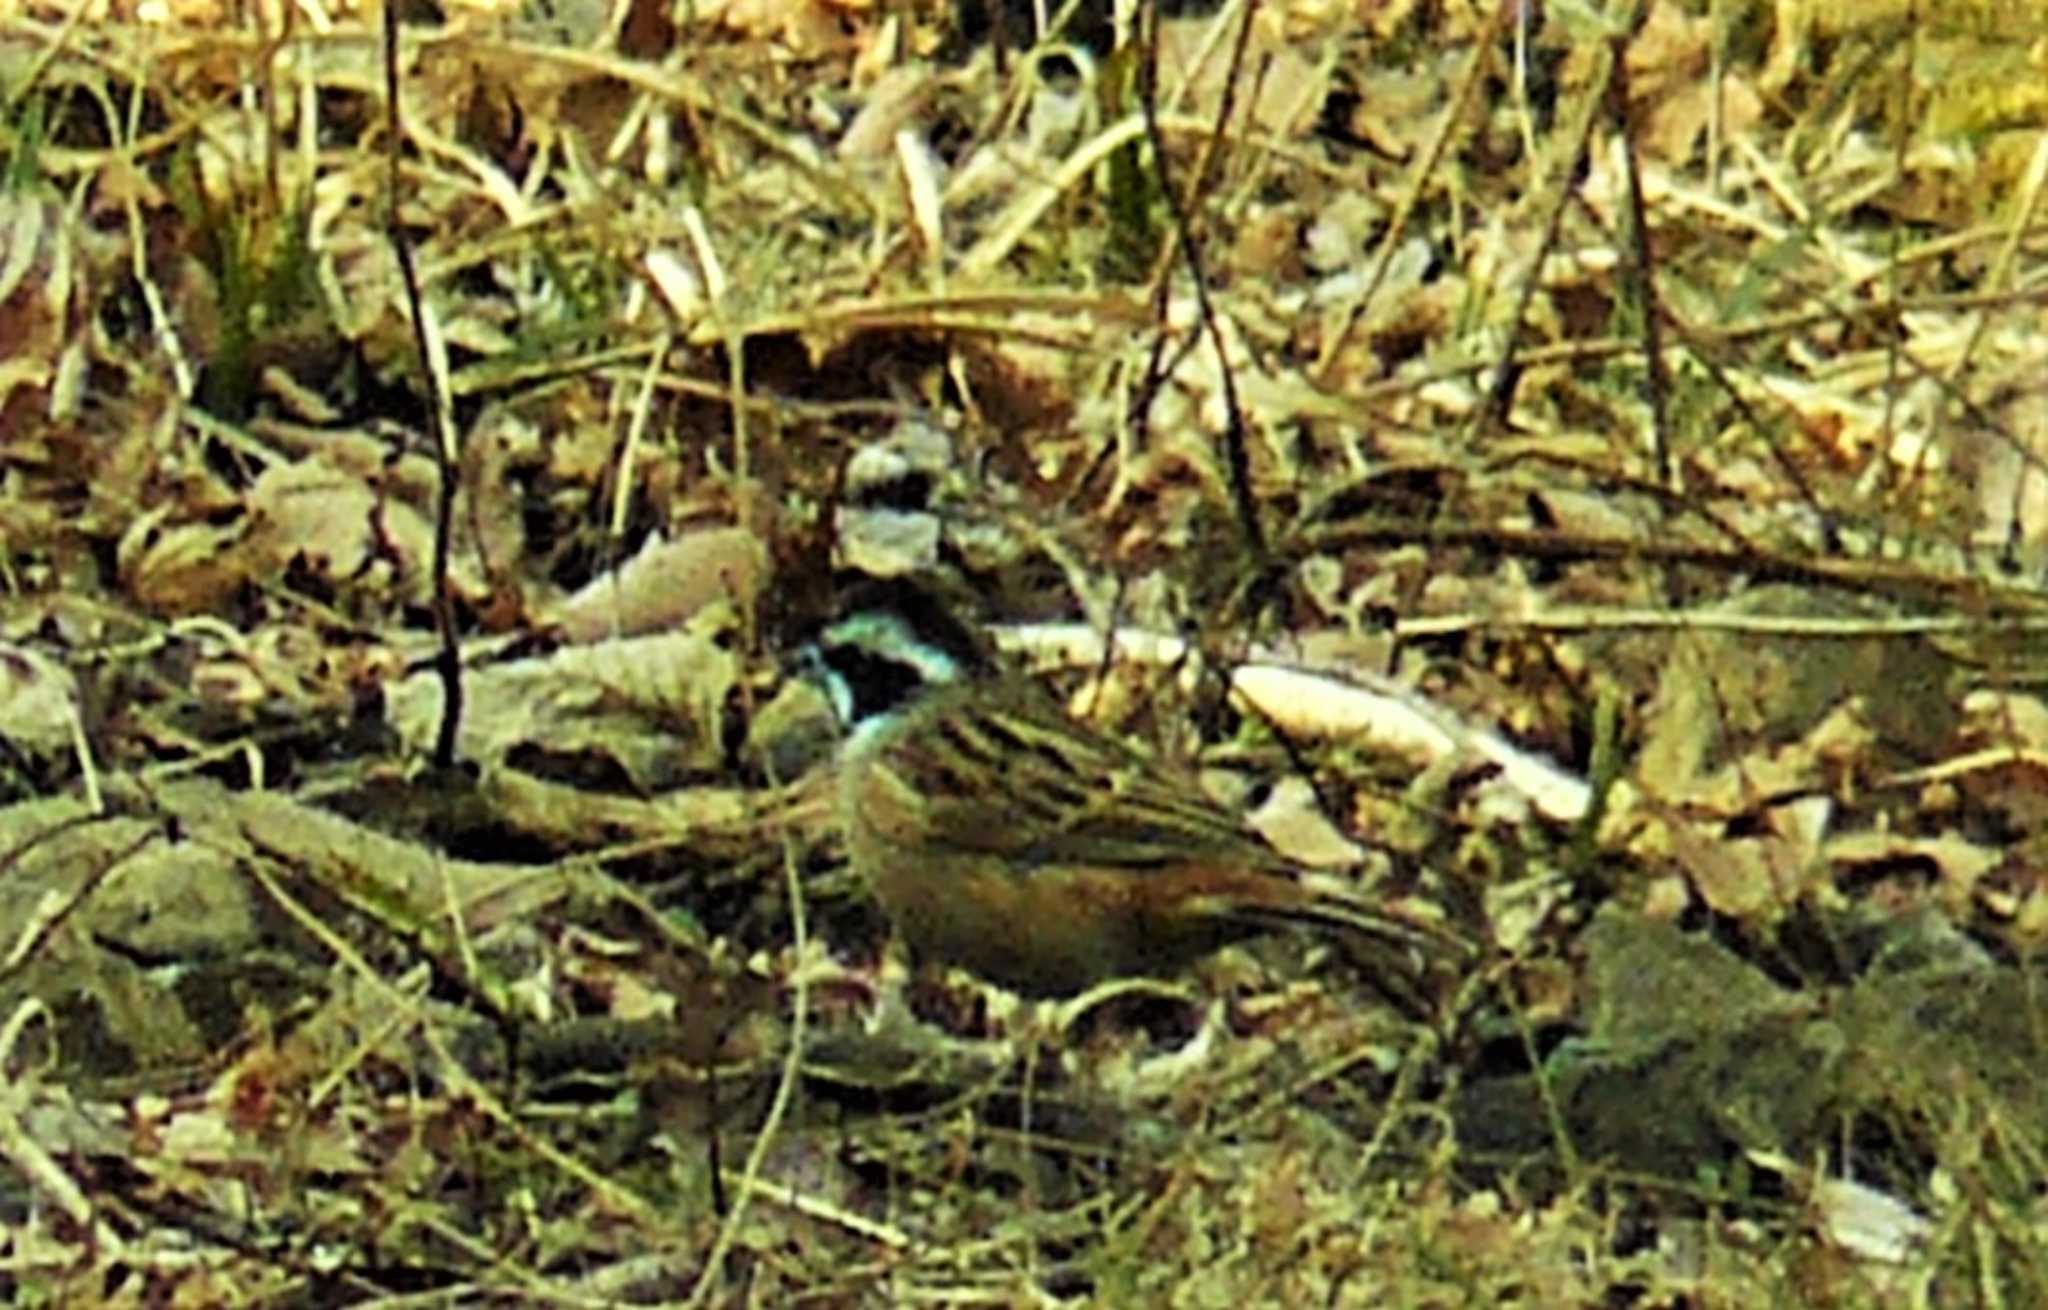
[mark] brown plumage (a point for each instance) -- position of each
(1005, 837)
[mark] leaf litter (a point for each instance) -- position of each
(1640, 400)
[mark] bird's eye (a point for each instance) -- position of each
(864, 683)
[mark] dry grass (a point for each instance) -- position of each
(1662, 398)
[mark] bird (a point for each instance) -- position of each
(1045, 855)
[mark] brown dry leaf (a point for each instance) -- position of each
(1736, 877)
(40, 268)
(708, 820)
(313, 513)
(651, 707)
(1739, 715)
(1851, 402)
(1678, 126)
(1399, 109)
(2010, 729)
(1194, 59)
(666, 585)
(1960, 864)
(2012, 720)
(892, 103)
(805, 28)
(1682, 727)
(1756, 878)
(38, 703)
(182, 568)
(2005, 468)
(498, 448)
(1669, 62)
(408, 889)
(1292, 820)
(86, 900)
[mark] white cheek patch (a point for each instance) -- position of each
(936, 665)
(867, 730)
(839, 692)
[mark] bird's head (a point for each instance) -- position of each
(891, 643)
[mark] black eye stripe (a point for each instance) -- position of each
(877, 683)
(926, 621)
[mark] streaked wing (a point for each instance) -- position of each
(1011, 775)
